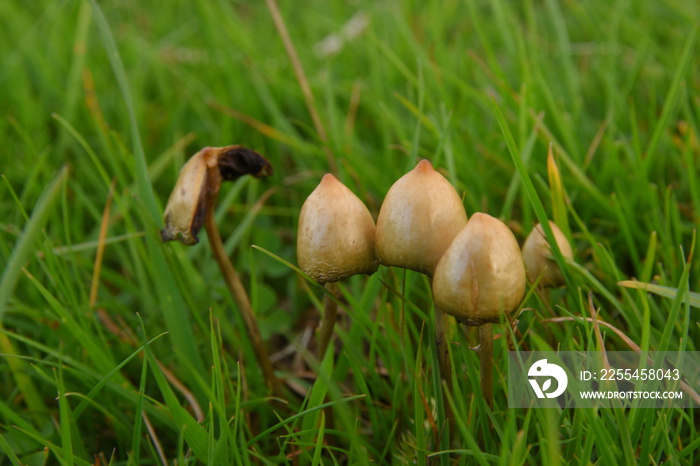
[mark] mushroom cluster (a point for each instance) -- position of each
(477, 271)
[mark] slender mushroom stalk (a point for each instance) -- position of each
(335, 240)
(191, 206)
(537, 254)
(420, 216)
(480, 277)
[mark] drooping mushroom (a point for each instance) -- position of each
(198, 186)
(481, 277)
(191, 206)
(335, 240)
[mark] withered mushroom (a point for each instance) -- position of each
(198, 186)
(191, 206)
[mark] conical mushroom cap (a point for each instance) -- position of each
(538, 255)
(420, 216)
(482, 274)
(335, 237)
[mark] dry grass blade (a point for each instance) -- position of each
(186, 393)
(628, 341)
(95, 285)
(303, 81)
(154, 438)
(665, 291)
(257, 125)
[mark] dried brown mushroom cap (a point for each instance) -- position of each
(482, 274)
(420, 216)
(198, 185)
(335, 238)
(538, 258)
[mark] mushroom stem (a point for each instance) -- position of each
(240, 296)
(330, 313)
(486, 362)
(441, 343)
(444, 363)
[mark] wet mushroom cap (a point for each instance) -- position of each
(538, 258)
(420, 216)
(481, 275)
(335, 237)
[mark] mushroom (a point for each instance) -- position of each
(335, 240)
(420, 216)
(191, 206)
(336, 233)
(537, 254)
(198, 186)
(481, 277)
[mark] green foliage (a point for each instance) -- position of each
(158, 368)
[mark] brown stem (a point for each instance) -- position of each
(486, 362)
(441, 320)
(330, 313)
(444, 364)
(240, 296)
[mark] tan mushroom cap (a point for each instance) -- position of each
(420, 216)
(482, 274)
(538, 255)
(335, 237)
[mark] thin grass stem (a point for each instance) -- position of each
(330, 314)
(444, 364)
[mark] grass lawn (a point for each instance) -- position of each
(116, 348)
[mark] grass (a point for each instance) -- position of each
(156, 368)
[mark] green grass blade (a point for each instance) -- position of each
(144, 184)
(301, 414)
(27, 241)
(673, 318)
(166, 288)
(665, 291)
(194, 434)
(671, 101)
(66, 420)
(136, 437)
(20, 254)
(530, 190)
(318, 447)
(8, 451)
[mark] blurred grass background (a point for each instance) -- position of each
(102, 94)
